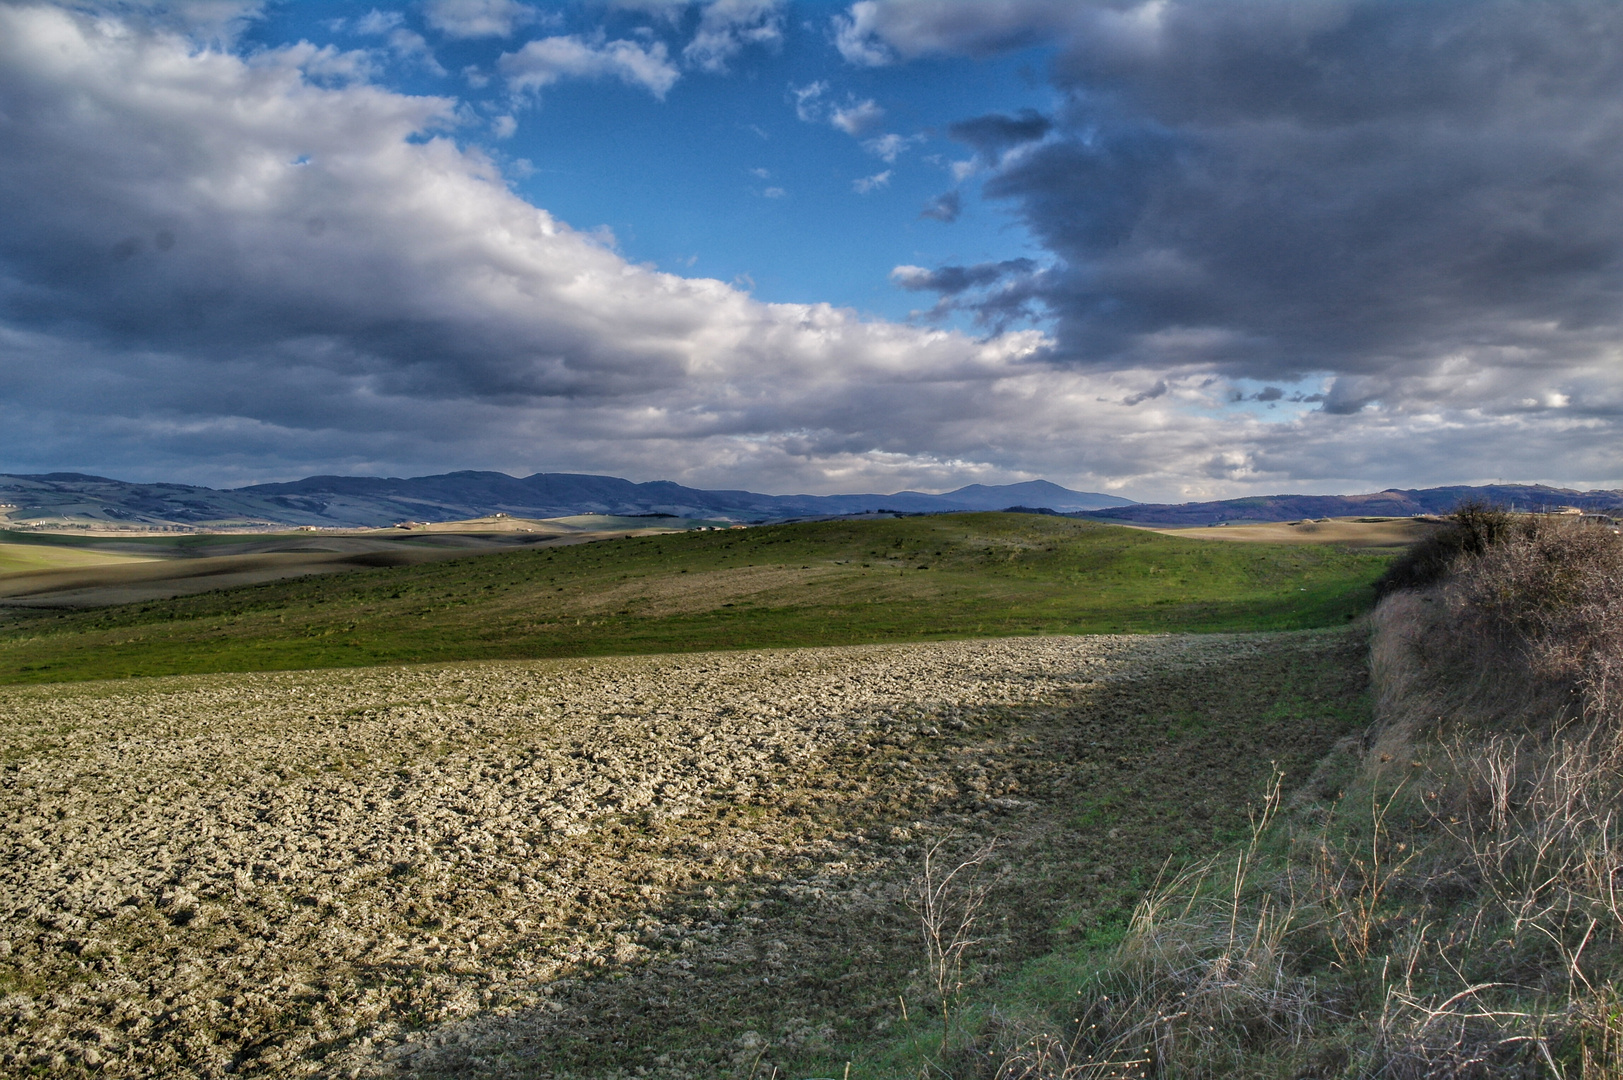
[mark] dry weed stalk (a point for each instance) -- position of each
(1540, 826)
(948, 906)
(1045, 1056)
(1351, 883)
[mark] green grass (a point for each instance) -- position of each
(845, 582)
(22, 558)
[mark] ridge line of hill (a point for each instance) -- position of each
(369, 501)
(1393, 502)
(76, 499)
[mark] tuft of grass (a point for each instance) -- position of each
(827, 583)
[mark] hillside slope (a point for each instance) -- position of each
(820, 583)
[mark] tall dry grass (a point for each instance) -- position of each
(1500, 709)
(1456, 912)
(1200, 983)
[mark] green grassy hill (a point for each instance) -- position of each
(950, 576)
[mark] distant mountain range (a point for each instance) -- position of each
(367, 501)
(370, 501)
(1393, 502)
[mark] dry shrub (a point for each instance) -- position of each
(1470, 530)
(1525, 636)
(1552, 599)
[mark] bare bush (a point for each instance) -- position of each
(1470, 530)
(1553, 599)
(1527, 636)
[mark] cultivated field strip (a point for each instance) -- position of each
(313, 872)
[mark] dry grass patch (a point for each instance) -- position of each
(704, 590)
(1390, 534)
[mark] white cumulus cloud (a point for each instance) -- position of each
(727, 27)
(809, 100)
(855, 36)
(378, 22)
(891, 146)
(478, 18)
(545, 61)
(857, 117)
(863, 185)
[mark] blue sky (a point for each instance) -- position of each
(1166, 249)
(737, 172)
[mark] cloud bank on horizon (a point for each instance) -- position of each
(1273, 245)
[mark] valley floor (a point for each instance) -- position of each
(671, 866)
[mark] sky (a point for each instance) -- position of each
(1168, 250)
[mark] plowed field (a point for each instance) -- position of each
(668, 866)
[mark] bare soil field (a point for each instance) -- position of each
(668, 866)
(1392, 534)
(100, 571)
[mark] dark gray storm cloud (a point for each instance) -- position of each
(1377, 190)
(996, 294)
(952, 280)
(996, 132)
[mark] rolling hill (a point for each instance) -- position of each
(77, 500)
(855, 581)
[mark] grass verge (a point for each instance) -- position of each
(1444, 898)
(847, 582)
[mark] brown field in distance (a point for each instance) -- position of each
(95, 571)
(1363, 532)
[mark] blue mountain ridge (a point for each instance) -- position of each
(1393, 502)
(371, 501)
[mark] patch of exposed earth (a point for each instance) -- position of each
(678, 866)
